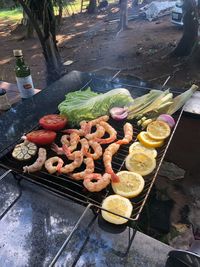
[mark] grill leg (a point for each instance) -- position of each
(69, 237)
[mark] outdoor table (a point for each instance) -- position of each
(12, 91)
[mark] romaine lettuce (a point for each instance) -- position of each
(87, 105)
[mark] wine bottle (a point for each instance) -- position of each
(23, 76)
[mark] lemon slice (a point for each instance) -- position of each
(145, 139)
(140, 162)
(138, 147)
(130, 185)
(119, 205)
(158, 130)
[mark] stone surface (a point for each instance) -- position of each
(184, 237)
(35, 227)
(193, 104)
(171, 171)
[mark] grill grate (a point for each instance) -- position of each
(63, 185)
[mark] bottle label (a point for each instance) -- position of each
(25, 86)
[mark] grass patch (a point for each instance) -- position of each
(69, 8)
(16, 14)
(11, 15)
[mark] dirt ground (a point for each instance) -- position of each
(93, 44)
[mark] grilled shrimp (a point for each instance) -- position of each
(110, 130)
(98, 120)
(84, 128)
(57, 149)
(74, 139)
(97, 150)
(78, 159)
(65, 139)
(101, 181)
(107, 159)
(80, 132)
(84, 146)
(51, 168)
(37, 165)
(89, 162)
(128, 134)
(95, 122)
(68, 153)
(100, 131)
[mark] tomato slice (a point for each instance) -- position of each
(41, 137)
(53, 122)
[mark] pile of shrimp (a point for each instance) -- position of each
(70, 139)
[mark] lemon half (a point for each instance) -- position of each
(141, 163)
(158, 130)
(130, 185)
(138, 147)
(119, 205)
(147, 141)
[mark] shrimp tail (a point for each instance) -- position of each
(122, 142)
(88, 128)
(69, 131)
(57, 149)
(114, 177)
(66, 150)
(105, 141)
(59, 166)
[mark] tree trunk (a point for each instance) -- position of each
(43, 20)
(190, 30)
(58, 17)
(123, 23)
(29, 29)
(91, 9)
(27, 25)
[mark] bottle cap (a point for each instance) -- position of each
(17, 53)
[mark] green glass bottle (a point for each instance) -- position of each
(23, 76)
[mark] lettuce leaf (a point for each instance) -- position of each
(87, 105)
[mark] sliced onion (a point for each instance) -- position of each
(168, 119)
(118, 113)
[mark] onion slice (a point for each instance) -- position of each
(118, 113)
(168, 119)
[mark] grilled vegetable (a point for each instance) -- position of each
(146, 123)
(118, 113)
(168, 119)
(158, 106)
(53, 122)
(41, 137)
(24, 151)
(181, 99)
(141, 103)
(88, 105)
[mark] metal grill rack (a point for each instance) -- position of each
(63, 185)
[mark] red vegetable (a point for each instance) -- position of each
(53, 122)
(118, 113)
(41, 137)
(168, 119)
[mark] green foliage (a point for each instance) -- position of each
(9, 4)
(11, 15)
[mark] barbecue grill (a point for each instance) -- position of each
(63, 185)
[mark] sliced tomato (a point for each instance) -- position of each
(53, 122)
(41, 137)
